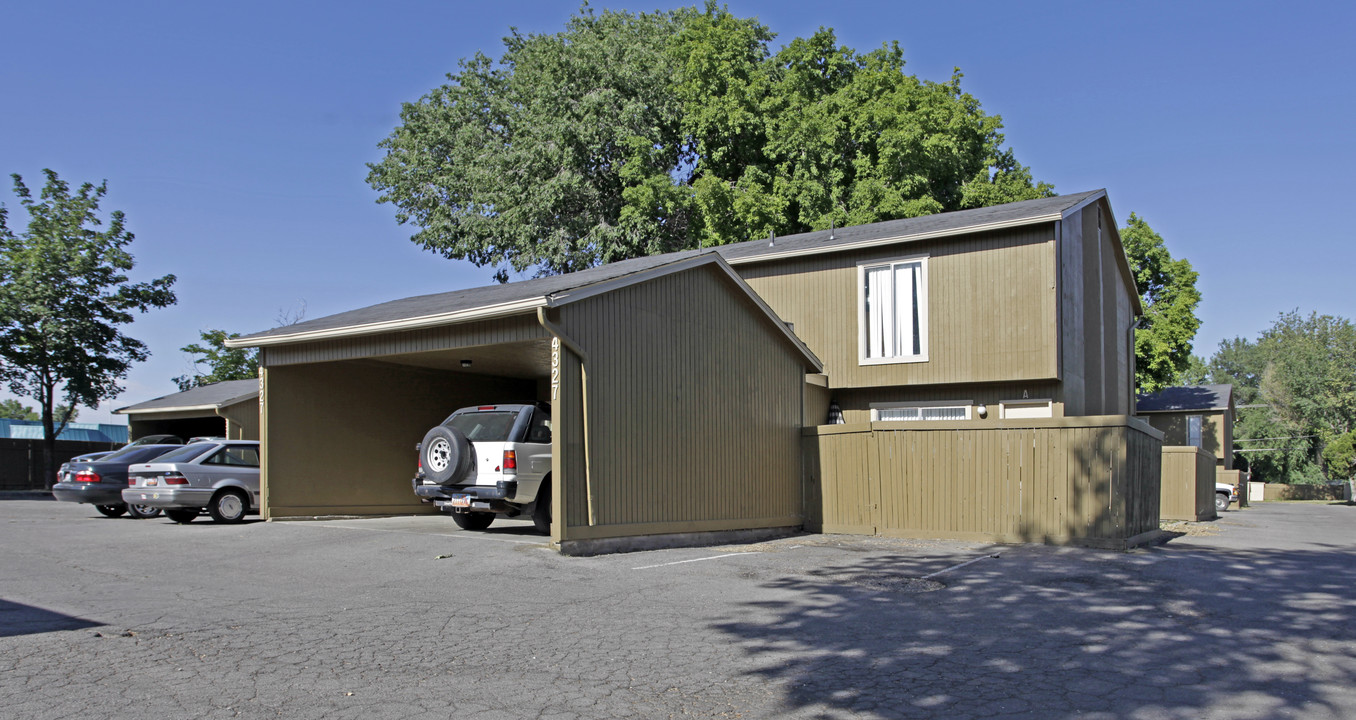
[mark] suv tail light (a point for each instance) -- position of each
(87, 476)
(510, 461)
(173, 479)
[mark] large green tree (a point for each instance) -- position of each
(1167, 290)
(634, 134)
(1296, 391)
(222, 363)
(64, 293)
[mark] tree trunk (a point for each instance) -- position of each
(49, 437)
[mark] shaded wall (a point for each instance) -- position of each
(1087, 480)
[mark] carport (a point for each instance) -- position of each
(227, 409)
(676, 395)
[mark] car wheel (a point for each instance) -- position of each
(142, 512)
(541, 514)
(472, 521)
(111, 510)
(182, 515)
(446, 455)
(228, 506)
(1221, 502)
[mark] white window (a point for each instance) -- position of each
(888, 412)
(892, 318)
(1021, 409)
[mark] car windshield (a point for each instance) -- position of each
(187, 452)
(484, 426)
(134, 454)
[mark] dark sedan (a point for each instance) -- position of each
(100, 482)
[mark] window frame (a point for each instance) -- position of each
(863, 336)
(967, 405)
(1048, 403)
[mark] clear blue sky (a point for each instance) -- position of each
(236, 135)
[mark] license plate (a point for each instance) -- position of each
(461, 501)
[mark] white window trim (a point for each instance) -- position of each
(1003, 406)
(923, 328)
(968, 405)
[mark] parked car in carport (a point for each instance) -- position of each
(221, 477)
(100, 482)
(489, 460)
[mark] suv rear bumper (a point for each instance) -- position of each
(492, 498)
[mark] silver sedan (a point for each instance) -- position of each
(219, 476)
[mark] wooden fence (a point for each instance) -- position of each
(1188, 484)
(21, 460)
(1084, 480)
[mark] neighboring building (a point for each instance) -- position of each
(75, 431)
(227, 409)
(982, 361)
(1199, 415)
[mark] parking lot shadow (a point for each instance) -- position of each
(1057, 633)
(19, 619)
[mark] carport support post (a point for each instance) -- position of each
(565, 419)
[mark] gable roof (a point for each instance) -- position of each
(1183, 399)
(995, 217)
(205, 397)
(493, 301)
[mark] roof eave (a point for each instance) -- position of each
(488, 312)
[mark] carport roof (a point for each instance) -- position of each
(1183, 399)
(492, 301)
(205, 397)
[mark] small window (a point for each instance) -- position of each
(1022, 409)
(892, 315)
(890, 412)
(1194, 430)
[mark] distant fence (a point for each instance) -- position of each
(1281, 491)
(1188, 484)
(21, 460)
(1083, 480)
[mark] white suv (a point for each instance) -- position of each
(489, 460)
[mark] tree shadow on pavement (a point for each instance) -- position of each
(1043, 632)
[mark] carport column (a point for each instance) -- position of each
(263, 441)
(570, 437)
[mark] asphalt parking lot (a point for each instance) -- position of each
(1251, 616)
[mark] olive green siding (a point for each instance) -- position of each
(338, 437)
(518, 328)
(1096, 312)
(688, 403)
(1188, 484)
(1217, 431)
(991, 308)
(1087, 480)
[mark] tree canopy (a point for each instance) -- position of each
(1295, 388)
(1167, 290)
(633, 134)
(223, 363)
(64, 293)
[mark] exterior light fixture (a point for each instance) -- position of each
(466, 363)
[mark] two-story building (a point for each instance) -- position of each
(977, 366)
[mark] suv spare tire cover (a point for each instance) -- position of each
(446, 455)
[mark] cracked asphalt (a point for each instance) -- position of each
(1251, 616)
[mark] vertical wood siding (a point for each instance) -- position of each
(1188, 484)
(1085, 480)
(991, 308)
(694, 405)
(487, 332)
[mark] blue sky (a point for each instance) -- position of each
(236, 135)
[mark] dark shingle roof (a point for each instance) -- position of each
(1182, 399)
(949, 223)
(215, 395)
(844, 238)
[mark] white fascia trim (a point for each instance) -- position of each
(487, 312)
(133, 409)
(862, 244)
(1084, 203)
